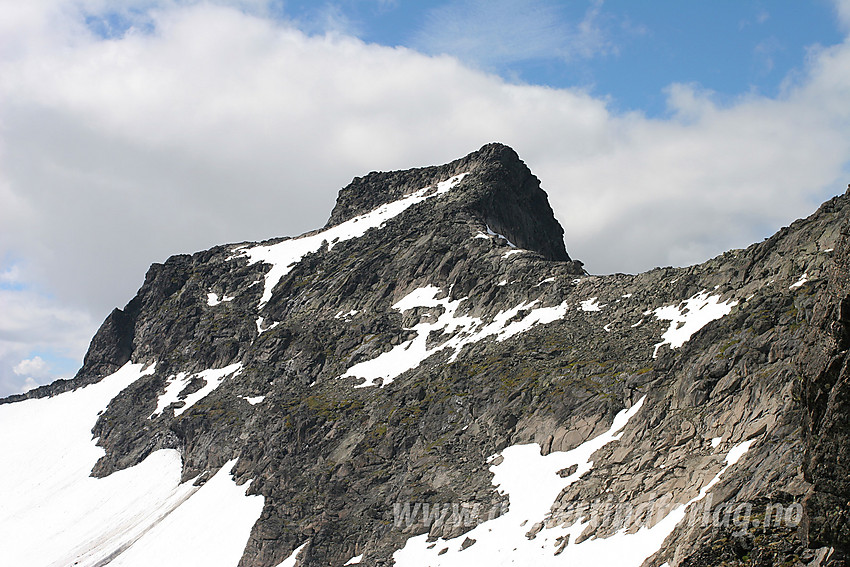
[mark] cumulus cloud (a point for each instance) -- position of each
(201, 123)
(30, 322)
(33, 371)
(33, 367)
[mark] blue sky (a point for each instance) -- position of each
(628, 51)
(664, 132)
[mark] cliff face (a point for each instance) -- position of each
(431, 380)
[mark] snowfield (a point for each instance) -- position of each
(176, 383)
(54, 514)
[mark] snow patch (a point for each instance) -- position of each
(284, 255)
(293, 557)
(253, 401)
(591, 305)
(510, 253)
(460, 330)
(690, 316)
(354, 560)
(261, 321)
(177, 382)
(502, 236)
(213, 299)
(547, 280)
(346, 316)
(803, 279)
(235, 252)
(715, 442)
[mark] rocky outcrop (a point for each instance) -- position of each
(392, 356)
(501, 191)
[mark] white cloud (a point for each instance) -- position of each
(842, 8)
(11, 275)
(221, 126)
(496, 33)
(329, 19)
(31, 322)
(34, 367)
(764, 53)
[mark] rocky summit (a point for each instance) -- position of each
(431, 380)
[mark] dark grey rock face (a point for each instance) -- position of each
(502, 192)
(332, 459)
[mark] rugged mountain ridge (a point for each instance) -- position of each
(406, 352)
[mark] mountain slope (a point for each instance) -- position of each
(431, 380)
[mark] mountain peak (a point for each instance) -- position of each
(499, 189)
(408, 386)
